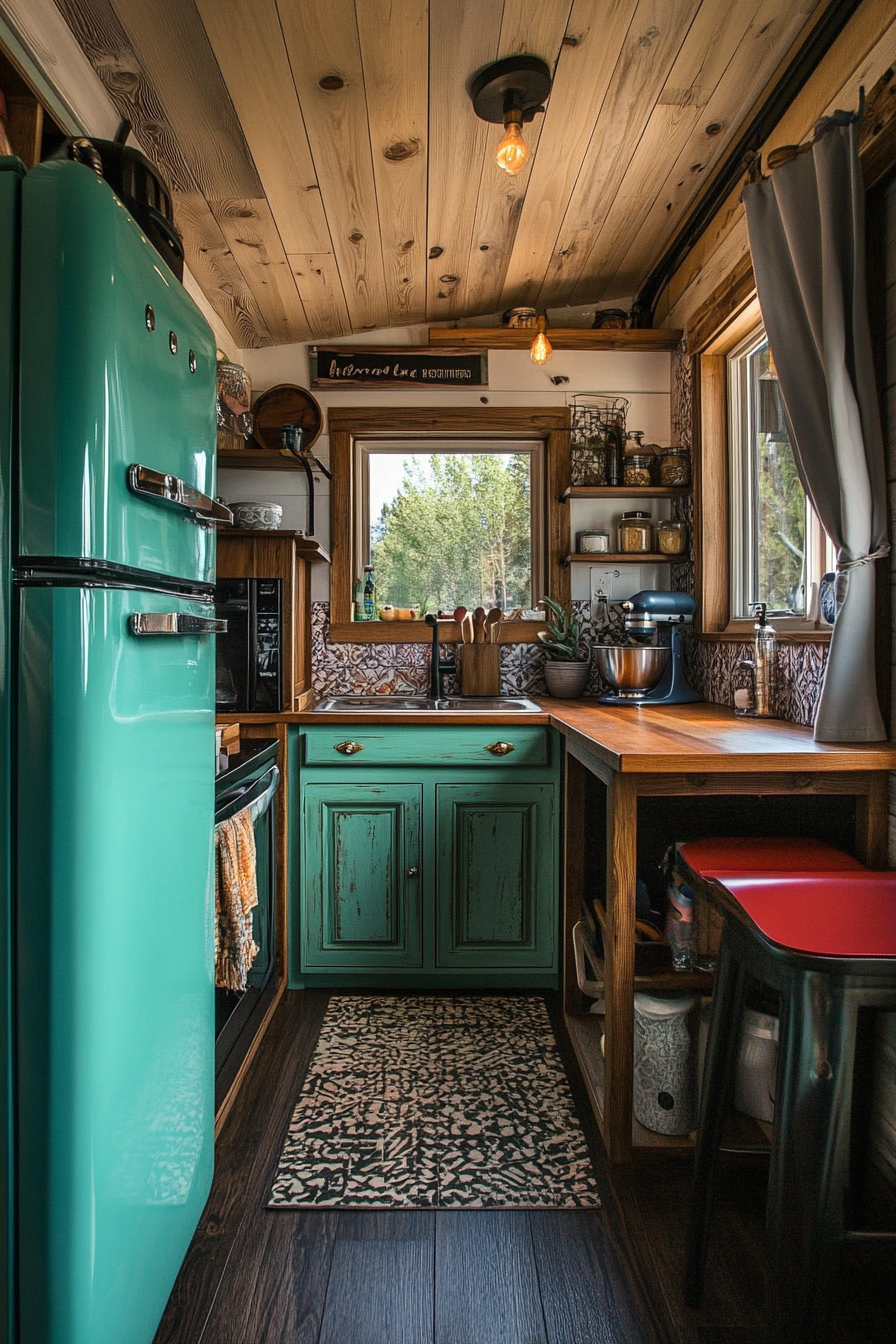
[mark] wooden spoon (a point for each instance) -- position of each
(466, 628)
(479, 625)
(459, 614)
(493, 625)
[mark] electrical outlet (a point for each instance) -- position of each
(602, 581)
(616, 583)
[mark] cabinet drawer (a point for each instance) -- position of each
(406, 744)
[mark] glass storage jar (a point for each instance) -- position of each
(671, 536)
(636, 532)
(588, 461)
(638, 469)
(675, 466)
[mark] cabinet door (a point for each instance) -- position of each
(362, 880)
(496, 879)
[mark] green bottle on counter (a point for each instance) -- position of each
(369, 602)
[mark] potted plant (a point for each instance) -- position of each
(565, 670)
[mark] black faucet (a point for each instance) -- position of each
(436, 666)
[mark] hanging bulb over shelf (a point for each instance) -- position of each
(541, 349)
(513, 151)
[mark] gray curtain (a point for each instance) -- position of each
(807, 238)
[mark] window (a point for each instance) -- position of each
(375, 449)
(452, 524)
(778, 548)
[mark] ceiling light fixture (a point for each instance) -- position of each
(541, 349)
(510, 92)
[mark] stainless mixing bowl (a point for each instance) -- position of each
(631, 670)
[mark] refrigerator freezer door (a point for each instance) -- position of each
(118, 369)
(115, 991)
(11, 172)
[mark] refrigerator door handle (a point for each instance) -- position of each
(162, 488)
(174, 623)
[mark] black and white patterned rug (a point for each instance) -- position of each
(426, 1102)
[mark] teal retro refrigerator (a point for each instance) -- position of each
(107, 374)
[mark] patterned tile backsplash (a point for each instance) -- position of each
(382, 669)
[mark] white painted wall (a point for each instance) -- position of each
(513, 381)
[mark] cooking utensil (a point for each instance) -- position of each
(466, 628)
(632, 670)
(493, 625)
(459, 614)
(479, 625)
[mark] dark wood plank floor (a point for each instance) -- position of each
(613, 1276)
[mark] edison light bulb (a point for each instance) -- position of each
(541, 349)
(513, 151)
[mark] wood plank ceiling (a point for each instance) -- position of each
(330, 176)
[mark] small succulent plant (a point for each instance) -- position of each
(561, 639)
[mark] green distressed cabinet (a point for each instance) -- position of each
(427, 856)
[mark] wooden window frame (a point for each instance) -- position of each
(717, 329)
(350, 423)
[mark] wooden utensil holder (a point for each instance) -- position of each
(480, 672)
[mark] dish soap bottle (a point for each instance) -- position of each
(369, 603)
(763, 664)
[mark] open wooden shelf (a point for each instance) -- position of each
(742, 1132)
(623, 492)
(622, 558)
(561, 338)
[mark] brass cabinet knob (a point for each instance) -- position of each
(412, 872)
(500, 748)
(348, 748)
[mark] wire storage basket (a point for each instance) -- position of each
(596, 418)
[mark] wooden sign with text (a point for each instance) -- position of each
(401, 366)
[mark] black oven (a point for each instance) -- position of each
(252, 779)
(249, 658)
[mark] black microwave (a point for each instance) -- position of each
(249, 659)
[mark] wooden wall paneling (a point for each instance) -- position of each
(647, 55)
(209, 258)
(877, 131)
(866, 45)
(322, 42)
(736, 291)
(341, 490)
(25, 125)
(581, 79)
(107, 46)
(394, 43)
(320, 288)
(463, 36)
(557, 516)
(172, 46)
(536, 30)
(260, 84)
(711, 491)
(722, 95)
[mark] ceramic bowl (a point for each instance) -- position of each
(258, 516)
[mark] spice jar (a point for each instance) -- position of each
(637, 470)
(588, 462)
(636, 532)
(671, 536)
(675, 466)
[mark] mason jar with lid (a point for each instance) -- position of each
(638, 469)
(675, 466)
(636, 532)
(671, 536)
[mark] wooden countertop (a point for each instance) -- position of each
(664, 739)
(705, 738)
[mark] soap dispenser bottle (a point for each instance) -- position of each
(763, 664)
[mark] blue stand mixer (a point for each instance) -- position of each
(649, 669)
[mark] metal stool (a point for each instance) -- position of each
(826, 940)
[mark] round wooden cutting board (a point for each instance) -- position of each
(286, 405)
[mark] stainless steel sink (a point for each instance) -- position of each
(403, 704)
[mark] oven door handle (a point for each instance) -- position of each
(174, 623)
(258, 796)
(161, 488)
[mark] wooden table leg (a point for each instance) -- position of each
(872, 823)
(622, 828)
